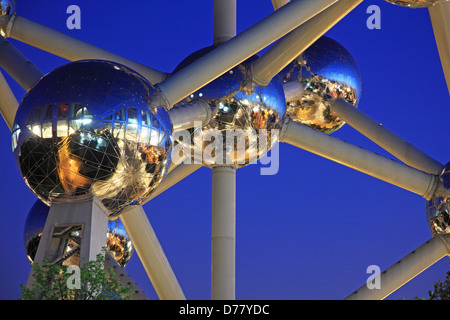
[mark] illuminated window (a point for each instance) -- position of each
(63, 111)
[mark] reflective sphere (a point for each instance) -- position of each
(87, 129)
(7, 7)
(244, 115)
(415, 3)
(327, 71)
(438, 209)
(117, 240)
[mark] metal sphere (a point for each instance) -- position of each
(34, 226)
(415, 3)
(87, 129)
(438, 209)
(117, 240)
(327, 71)
(248, 114)
(7, 7)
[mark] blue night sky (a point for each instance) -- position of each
(311, 230)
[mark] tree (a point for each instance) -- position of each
(55, 282)
(441, 289)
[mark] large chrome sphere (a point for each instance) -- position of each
(244, 112)
(117, 240)
(87, 129)
(7, 7)
(438, 209)
(327, 71)
(416, 3)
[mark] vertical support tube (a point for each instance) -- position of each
(17, 65)
(385, 138)
(406, 269)
(224, 20)
(223, 233)
(8, 102)
(440, 19)
(151, 253)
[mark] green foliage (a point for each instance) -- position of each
(441, 289)
(54, 282)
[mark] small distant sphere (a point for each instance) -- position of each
(88, 129)
(34, 226)
(327, 71)
(416, 3)
(247, 113)
(117, 240)
(438, 208)
(7, 7)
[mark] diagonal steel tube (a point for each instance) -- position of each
(151, 253)
(239, 48)
(277, 4)
(8, 102)
(385, 138)
(67, 47)
(440, 19)
(177, 173)
(406, 269)
(370, 163)
(17, 65)
(293, 44)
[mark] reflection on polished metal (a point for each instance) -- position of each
(86, 129)
(438, 208)
(7, 7)
(118, 242)
(239, 108)
(416, 3)
(327, 71)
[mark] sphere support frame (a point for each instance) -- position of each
(72, 229)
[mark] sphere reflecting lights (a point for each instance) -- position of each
(7, 7)
(438, 209)
(416, 3)
(87, 129)
(327, 71)
(117, 240)
(244, 117)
